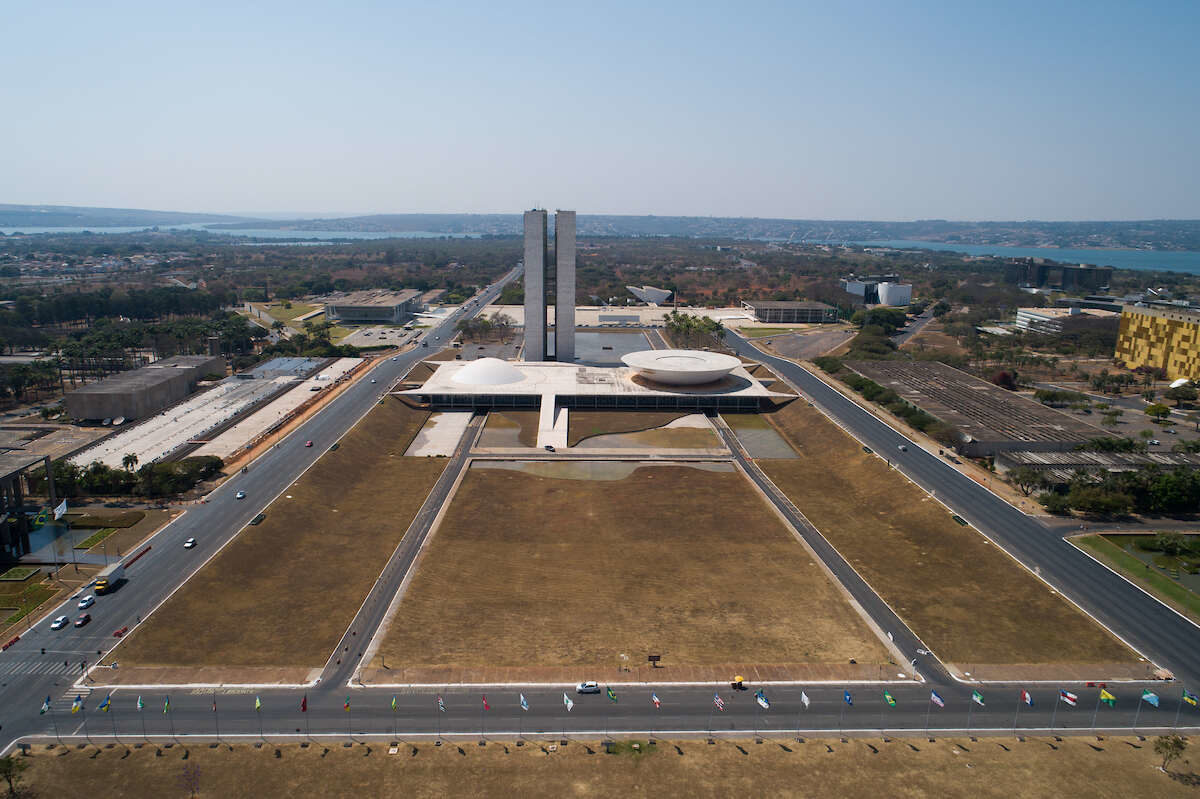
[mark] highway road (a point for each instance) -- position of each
(1155, 630)
(24, 673)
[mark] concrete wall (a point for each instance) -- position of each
(142, 392)
(535, 285)
(564, 286)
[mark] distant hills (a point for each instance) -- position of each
(79, 216)
(1157, 234)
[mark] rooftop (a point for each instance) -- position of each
(380, 298)
(1063, 313)
(149, 375)
(782, 304)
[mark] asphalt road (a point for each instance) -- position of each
(27, 676)
(1163, 635)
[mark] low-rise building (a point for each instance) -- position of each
(1052, 321)
(141, 392)
(771, 311)
(1161, 338)
(376, 307)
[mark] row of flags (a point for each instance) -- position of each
(760, 697)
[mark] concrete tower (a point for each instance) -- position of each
(535, 285)
(564, 286)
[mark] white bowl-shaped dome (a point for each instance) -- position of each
(488, 372)
(681, 367)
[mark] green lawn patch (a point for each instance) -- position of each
(19, 573)
(99, 519)
(1160, 585)
(28, 601)
(95, 538)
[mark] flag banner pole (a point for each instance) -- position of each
(350, 723)
(85, 726)
(172, 720)
(928, 710)
(114, 724)
(54, 721)
(711, 708)
(842, 714)
(216, 718)
(1017, 715)
(970, 708)
(1096, 712)
(1054, 713)
(142, 713)
(1178, 710)
(1136, 714)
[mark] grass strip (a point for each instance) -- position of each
(95, 538)
(18, 573)
(1161, 586)
(29, 601)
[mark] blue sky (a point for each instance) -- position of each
(847, 110)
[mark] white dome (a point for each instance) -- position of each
(488, 372)
(681, 367)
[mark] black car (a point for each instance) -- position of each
(83, 619)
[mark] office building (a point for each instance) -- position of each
(537, 270)
(1052, 321)
(141, 392)
(378, 307)
(1160, 338)
(791, 312)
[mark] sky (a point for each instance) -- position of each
(813, 110)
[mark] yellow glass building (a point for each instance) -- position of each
(1164, 338)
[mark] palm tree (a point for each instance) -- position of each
(129, 461)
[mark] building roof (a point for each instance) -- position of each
(17, 461)
(980, 410)
(374, 298)
(781, 304)
(145, 376)
(681, 367)
(1109, 461)
(1064, 313)
(488, 372)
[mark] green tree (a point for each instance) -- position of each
(1181, 394)
(1026, 479)
(1169, 747)
(129, 461)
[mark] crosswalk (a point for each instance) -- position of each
(46, 665)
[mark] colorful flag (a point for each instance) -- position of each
(977, 698)
(936, 699)
(486, 706)
(654, 698)
(891, 700)
(77, 705)
(106, 704)
(166, 704)
(141, 704)
(1149, 696)
(567, 701)
(612, 695)
(45, 705)
(1108, 698)
(214, 704)
(1068, 697)
(524, 704)
(761, 698)
(1190, 697)
(441, 704)
(804, 700)
(1026, 698)
(258, 702)
(718, 702)
(393, 703)
(346, 706)
(61, 510)
(849, 700)
(304, 704)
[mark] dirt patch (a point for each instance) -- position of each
(968, 601)
(1034, 767)
(98, 518)
(529, 570)
(282, 593)
(585, 424)
(510, 429)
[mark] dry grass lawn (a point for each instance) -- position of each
(525, 423)
(965, 598)
(283, 592)
(1035, 768)
(572, 564)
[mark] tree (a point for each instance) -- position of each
(1026, 479)
(1181, 394)
(1170, 747)
(130, 461)
(11, 769)
(1158, 411)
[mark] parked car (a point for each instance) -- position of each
(59, 623)
(1155, 442)
(86, 602)
(83, 619)
(589, 687)
(189, 544)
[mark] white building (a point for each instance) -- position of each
(895, 294)
(1049, 321)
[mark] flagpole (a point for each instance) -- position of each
(216, 718)
(970, 710)
(1137, 713)
(712, 706)
(142, 713)
(307, 733)
(172, 720)
(928, 710)
(85, 726)
(1054, 714)
(1017, 715)
(1178, 710)
(114, 721)
(54, 721)
(842, 714)
(757, 712)
(1096, 711)
(349, 722)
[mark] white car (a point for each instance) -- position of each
(372, 380)
(87, 602)
(59, 623)
(589, 687)
(240, 495)
(1154, 442)
(189, 544)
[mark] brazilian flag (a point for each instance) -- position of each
(611, 693)
(891, 700)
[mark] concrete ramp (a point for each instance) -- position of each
(552, 424)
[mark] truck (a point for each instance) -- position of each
(110, 578)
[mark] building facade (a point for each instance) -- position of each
(1160, 338)
(894, 294)
(537, 270)
(142, 392)
(791, 312)
(380, 307)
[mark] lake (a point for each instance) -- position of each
(1151, 260)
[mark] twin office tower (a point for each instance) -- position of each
(537, 272)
